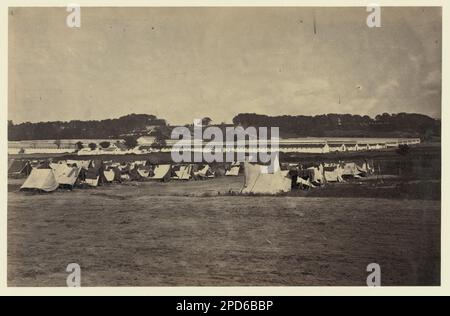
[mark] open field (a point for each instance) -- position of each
(192, 233)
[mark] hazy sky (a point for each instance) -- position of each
(186, 63)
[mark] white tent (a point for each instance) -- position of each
(80, 163)
(144, 172)
(333, 173)
(125, 176)
(161, 172)
(41, 179)
(234, 170)
(258, 182)
(317, 174)
(305, 182)
(109, 175)
(93, 182)
(123, 167)
(184, 173)
(351, 169)
(205, 172)
(366, 168)
(273, 167)
(64, 174)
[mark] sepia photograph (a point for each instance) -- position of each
(224, 146)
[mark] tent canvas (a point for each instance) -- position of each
(273, 167)
(40, 179)
(85, 164)
(333, 174)
(64, 174)
(139, 163)
(117, 174)
(95, 175)
(96, 163)
(303, 182)
(316, 174)
(19, 167)
(234, 170)
(161, 172)
(124, 168)
(43, 165)
(183, 173)
(351, 169)
(204, 172)
(145, 172)
(125, 177)
(93, 182)
(110, 175)
(10, 162)
(134, 174)
(257, 182)
(365, 168)
(35, 163)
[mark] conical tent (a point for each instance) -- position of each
(41, 179)
(258, 182)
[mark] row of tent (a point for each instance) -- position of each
(47, 176)
(311, 176)
(259, 181)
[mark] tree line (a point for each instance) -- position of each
(346, 125)
(131, 126)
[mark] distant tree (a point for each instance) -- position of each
(77, 129)
(206, 121)
(79, 145)
(403, 150)
(21, 151)
(92, 146)
(105, 144)
(130, 141)
(428, 135)
(161, 134)
(57, 143)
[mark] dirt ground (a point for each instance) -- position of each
(193, 233)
